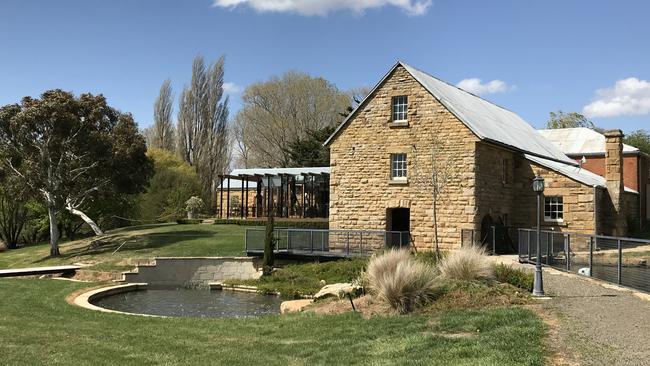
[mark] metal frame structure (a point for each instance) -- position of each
(298, 195)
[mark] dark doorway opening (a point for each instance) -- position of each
(399, 222)
(495, 236)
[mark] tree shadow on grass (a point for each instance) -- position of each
(148, 241)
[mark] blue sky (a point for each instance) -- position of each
(531, 57)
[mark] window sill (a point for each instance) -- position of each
(398, 124)
(555, 223)
(398, 182)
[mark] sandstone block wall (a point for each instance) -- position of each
(495, 184)
(361, 192)
(578, 199)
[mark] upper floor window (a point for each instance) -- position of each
(553, 208)
(400, 108)
(504, 171)
(398, 166)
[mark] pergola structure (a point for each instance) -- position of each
(283, 192)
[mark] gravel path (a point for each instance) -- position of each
(602, 326)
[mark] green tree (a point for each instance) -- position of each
(173, 183)
(161, 134)
(13, 216)
(560, 119)
(639, 139)
(269, 246)
(70, 151)
(309, 151)
(281, 111)
(202, 128)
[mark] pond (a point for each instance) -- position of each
(182, 302)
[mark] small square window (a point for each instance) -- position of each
(553, 208)
(398, 166)
(400, 108)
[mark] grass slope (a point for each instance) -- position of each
(296, 280)
(147, 241)
(39, 327)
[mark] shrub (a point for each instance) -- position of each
(297, 280)
(401, 281)
(514, 276)
(467, 264)
(189, 221)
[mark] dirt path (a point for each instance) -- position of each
(602, 326)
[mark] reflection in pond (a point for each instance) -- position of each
(192, 303)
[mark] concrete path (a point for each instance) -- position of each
(35, 271)
(599, 323)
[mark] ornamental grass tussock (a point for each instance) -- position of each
(469, 263)
(400, 280)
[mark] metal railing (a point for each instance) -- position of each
(498, 240)
(326, 242)
(618, 260)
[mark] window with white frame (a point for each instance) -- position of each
(400, 108)
(553, 208)
(398, 166)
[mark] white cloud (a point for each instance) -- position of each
(474, 85)
(627, 97)
(231, 88)
(324, 7)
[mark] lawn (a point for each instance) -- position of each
(39, 327)
(148, 241)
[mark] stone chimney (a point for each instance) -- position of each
(615, 183)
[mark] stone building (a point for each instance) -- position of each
(416, 137)
(587, 147)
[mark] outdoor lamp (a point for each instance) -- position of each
(538, 187)
(538, 184)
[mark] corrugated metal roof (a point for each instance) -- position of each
(489, 121)
(580, 141)
(486, 120)
(576, 173)
(278, 171)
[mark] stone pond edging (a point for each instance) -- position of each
(85, 299)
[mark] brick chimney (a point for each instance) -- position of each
(614, 178)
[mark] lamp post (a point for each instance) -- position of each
(538, 187)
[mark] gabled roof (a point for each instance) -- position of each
(581, 141)
(486, 120)
(576, 173)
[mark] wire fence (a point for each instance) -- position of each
(619, 260)
(326, 242)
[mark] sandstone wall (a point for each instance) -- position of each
(578, 199)
(361, 191)
(495, 184)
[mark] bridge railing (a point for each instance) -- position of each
(620, 260)
(326, 242)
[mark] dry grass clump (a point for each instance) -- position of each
(468, 263)
(401, 281)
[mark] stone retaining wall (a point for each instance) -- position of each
(195, 271)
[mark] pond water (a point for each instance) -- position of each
(192, 303)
